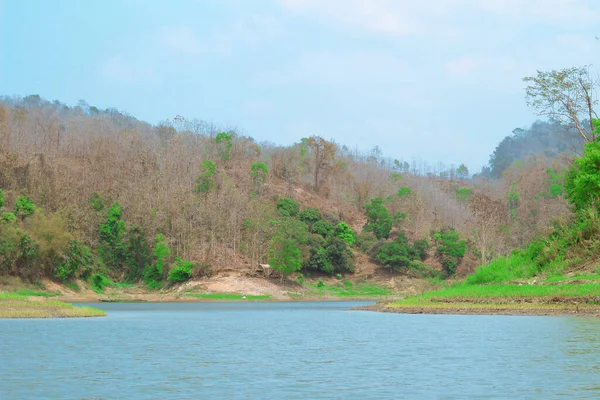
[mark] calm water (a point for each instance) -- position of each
(297, 351)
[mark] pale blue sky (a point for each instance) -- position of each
(438, 80)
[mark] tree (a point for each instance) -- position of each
(344, 232)
(583, 179)
(206, 180)
(310, 215)
(24, 207)
(224, 142)
(462, 172)
(288, 207)
(112, 249)
(286, 256)
(323, 153)
(566, 96)
(379, 220)
(259, 173)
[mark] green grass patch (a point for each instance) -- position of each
(348, 289)
(228, 296)
(30, 292)
(15, 305)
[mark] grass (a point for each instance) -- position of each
(29, 292)
(348, 289)
(15, 305)
(228, 296)
(507, 297)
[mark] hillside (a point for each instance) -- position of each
(93, 194)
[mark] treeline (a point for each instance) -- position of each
(117, 196)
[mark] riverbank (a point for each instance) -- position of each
(13, 305)
(577, 297)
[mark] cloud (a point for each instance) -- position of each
(180, 39)
(119, 70)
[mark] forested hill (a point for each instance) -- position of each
(541, 140)
(94, 193)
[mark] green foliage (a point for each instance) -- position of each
(161, 252)
(97, 202)
(288, 207)
(310, 215)
(398, 218)
(582, 184)
(450, 249)
(77, 261)
(112, 250)
(7, 217)
(463, 194)
(24, 207)
(137, 253)
(344, 232)
(181, 271)
(378, 219)
(99, 282)
(319, 260)
(259, 173)
(395, 255)
(419, 248)
(206, 181)
(403, 192)
(339, 255)
(286, 256)
(224, 141)
(513, 199)
(322, 228)
(1, 198)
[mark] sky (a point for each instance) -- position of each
(437, 80)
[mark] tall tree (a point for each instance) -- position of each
(323, 153)
(567, 96)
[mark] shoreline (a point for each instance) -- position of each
(488, 309)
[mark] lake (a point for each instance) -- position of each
(296, 351)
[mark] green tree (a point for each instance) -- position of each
(322, 228)
(24, 207)
(462, 172)
(344, 232)
(259, 173)
(181, 271)
(378, 219)
(153, 273)
(339, 255)
(112, 249)
(224, 142)
(288, 207)
(1, 198)
(310, 215)
(450, 249)
(206, 181)
(582, 184)
(286, 256)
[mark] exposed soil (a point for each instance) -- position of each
(563, 309)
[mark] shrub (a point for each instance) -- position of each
(319, 260)
(378, 219)
(24, 207)
(1, 198)
(344, 232)
(259, 173)
(206, 181)
(450, 249)
(339, 255)
(99, 282)
(181, 271)
(288, 207)
(322, 228)
(7, 217)
(112, 250)
(582, 184)
(419, 248)
(310, 215)
(77, 261)
(403, 191)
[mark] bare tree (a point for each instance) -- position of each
(567, 96)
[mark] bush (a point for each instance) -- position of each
(7, 217)
(450, 249)
(319, 260)
(419, 249)
(206, 181)
(344, 232)
(310, 215)
(99, 282)
(181, 271)
(1, 198)
(77, 261)
(288, 207)
(322, 228)
(379, 220)
(339, 255)
(24, 207)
